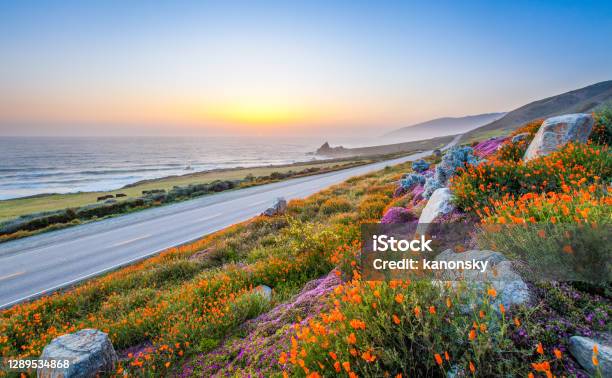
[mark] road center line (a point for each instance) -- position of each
(131, 240)
(209, 217)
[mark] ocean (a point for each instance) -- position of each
(30, 166)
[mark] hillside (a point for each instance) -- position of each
(445, 126)
(581, 100)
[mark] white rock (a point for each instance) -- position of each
(438, 204)
(510, 287)
(582, 349)
(89, 351)
(558, 131)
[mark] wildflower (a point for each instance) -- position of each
(337, 366)
(595, 360)
(351, 339)
(432, 310)
(368, 356)
(446, 356)
(472, 367)
(417, 311)
(357, 324)
(347, 366)
(167, 364)
(517, 322)
(333, 355)
(558, 354)
(472, 335)
(399, 298)
(492, 292)
(595, 349)
(502, 309)
(396, 320)
(540, 349)
(448, 302)
(283, 358)
(438, 359)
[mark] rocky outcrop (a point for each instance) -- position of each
(439, 204)
(558, 131)
(583, 350)
(510, 287)
(279, 208)
(89, 351)
(327, 150)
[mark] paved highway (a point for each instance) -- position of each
(41, 264)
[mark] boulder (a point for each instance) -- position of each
(264, 291)
(279, 207)
(90, 353)
(558, 131)
(582, 350)
(510, 287)
(439, 204)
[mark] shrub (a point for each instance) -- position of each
(455, 158)
(602, 130)
(383, 329)
(515, 150)
(397, 215)
(411, 180)
(573, 166)
(420, 166)
(336, 205)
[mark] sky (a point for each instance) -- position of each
(287, 68)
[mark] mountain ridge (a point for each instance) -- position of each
(447, 125)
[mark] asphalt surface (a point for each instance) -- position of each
(38, 265)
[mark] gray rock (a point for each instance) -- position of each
(518, 137)
(279, 207)
(264, 291)
(558, 131)
(510, 287)
(89, 350)
(438, 204)
(582, 350)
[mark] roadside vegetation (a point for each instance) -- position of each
(147, 194)
(187, 311)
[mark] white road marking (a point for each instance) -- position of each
(209, 217)
(11, 276)
(131, 240)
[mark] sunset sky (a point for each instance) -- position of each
(255, 67)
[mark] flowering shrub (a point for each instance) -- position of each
(456, 157)
(515, 150)
(397, 215)
(336, 205)
(577, 206)
(573, 166)
(420, 166)
(602, 130)
(489, 146)
(400, 328)
(411, 180)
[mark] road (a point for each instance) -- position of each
(41, 264)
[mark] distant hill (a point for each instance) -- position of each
(583, 100)
(444, 126)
